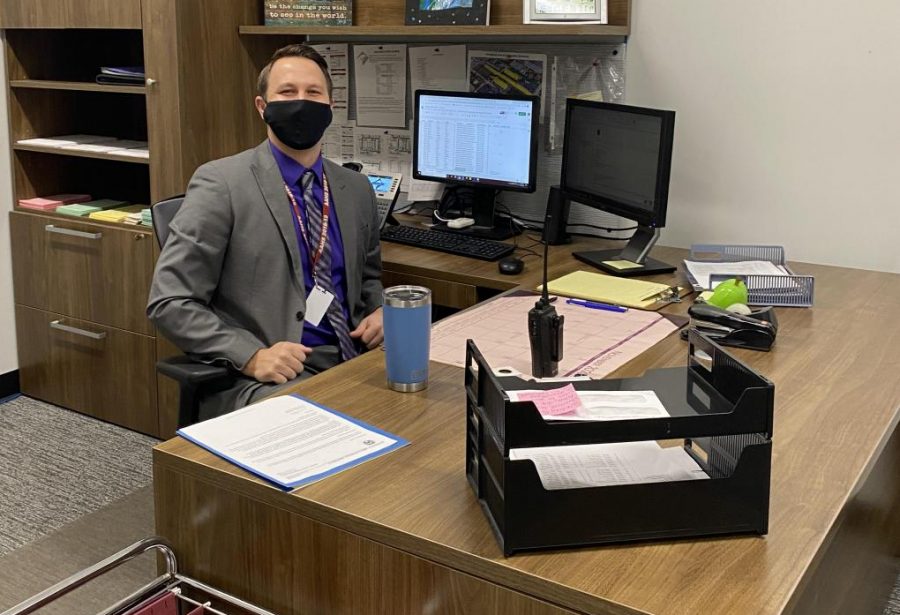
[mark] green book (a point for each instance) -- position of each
(78, 209)
(106, 203)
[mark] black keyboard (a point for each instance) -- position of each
(452, 243)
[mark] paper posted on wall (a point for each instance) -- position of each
(380, 74)
(335, 55)
(496, 72)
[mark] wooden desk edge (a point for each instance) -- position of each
(166, 457)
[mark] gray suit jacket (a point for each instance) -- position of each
(229, 282)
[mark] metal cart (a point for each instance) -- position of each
(181, 588)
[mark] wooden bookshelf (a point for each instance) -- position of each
(384, 19)
(76, 86)
(79, 154)
(90, 275)
(571, 33)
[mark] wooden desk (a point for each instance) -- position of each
(460, 282)
(404, 534)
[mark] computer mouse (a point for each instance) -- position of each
(511, 265)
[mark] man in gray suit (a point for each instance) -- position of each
(273, 263)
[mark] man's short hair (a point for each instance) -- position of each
(293, 51)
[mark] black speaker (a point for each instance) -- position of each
(556, 218)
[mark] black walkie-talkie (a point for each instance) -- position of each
(545, 331)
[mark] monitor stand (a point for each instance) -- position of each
(630, 261)
(487, 225)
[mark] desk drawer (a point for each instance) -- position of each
(89, 271)
(100, 371)
(449, 294)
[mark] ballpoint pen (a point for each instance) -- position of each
(596, 305)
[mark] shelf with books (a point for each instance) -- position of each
(385, 19)
(76, 86)
(81, 154)
(555, 33)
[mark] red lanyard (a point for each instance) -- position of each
(314, 256)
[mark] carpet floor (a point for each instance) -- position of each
(59, 465)
(34, 567)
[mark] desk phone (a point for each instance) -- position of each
(387, 189)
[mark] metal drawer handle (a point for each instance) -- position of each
(50, 228)
(94, 336)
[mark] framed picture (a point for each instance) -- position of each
(564, 11)
(447, 12)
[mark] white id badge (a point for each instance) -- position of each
(317, 304)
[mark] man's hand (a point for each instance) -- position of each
(278, 364)
(370, 330)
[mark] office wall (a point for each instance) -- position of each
(8, 360)
(787, 129)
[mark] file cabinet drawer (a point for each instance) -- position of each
(100, 371)
(448, 294)
(83, 270)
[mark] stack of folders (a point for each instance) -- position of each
(146, 217)
(51, 203)
(86, 209)
(121, 75)
(119, 214)
(122, 147)
(134, 218)
(92, 143)
(65, 140)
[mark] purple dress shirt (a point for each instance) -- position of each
(291, 172)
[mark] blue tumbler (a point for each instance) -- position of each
(407, 337)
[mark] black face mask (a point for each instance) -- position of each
(298, 123)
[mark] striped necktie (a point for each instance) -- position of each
(322, 275)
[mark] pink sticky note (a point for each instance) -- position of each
(554, 401)
(39, 203)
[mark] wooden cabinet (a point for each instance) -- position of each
(80, 265)
(91, 277)
(102, 371)
(71, 14)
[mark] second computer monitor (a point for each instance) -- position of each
(617, 158)
(482, 141)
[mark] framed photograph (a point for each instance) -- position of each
(447, 12)
(564, 11)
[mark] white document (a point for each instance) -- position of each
(337, 144)
(290, 440)
(618, 463)
(497, 72)
(64, 140)
(438, 68)
(701, 271)
(107, 146)
(380, 73)
(338, 67)
(571, 76)
(386, 150)
(140, 152)
(421, 190)
(610, 406)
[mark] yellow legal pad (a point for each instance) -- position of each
(609, 289)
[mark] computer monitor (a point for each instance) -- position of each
(617, 158)
(486, 142)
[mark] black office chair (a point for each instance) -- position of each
(191, 376)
